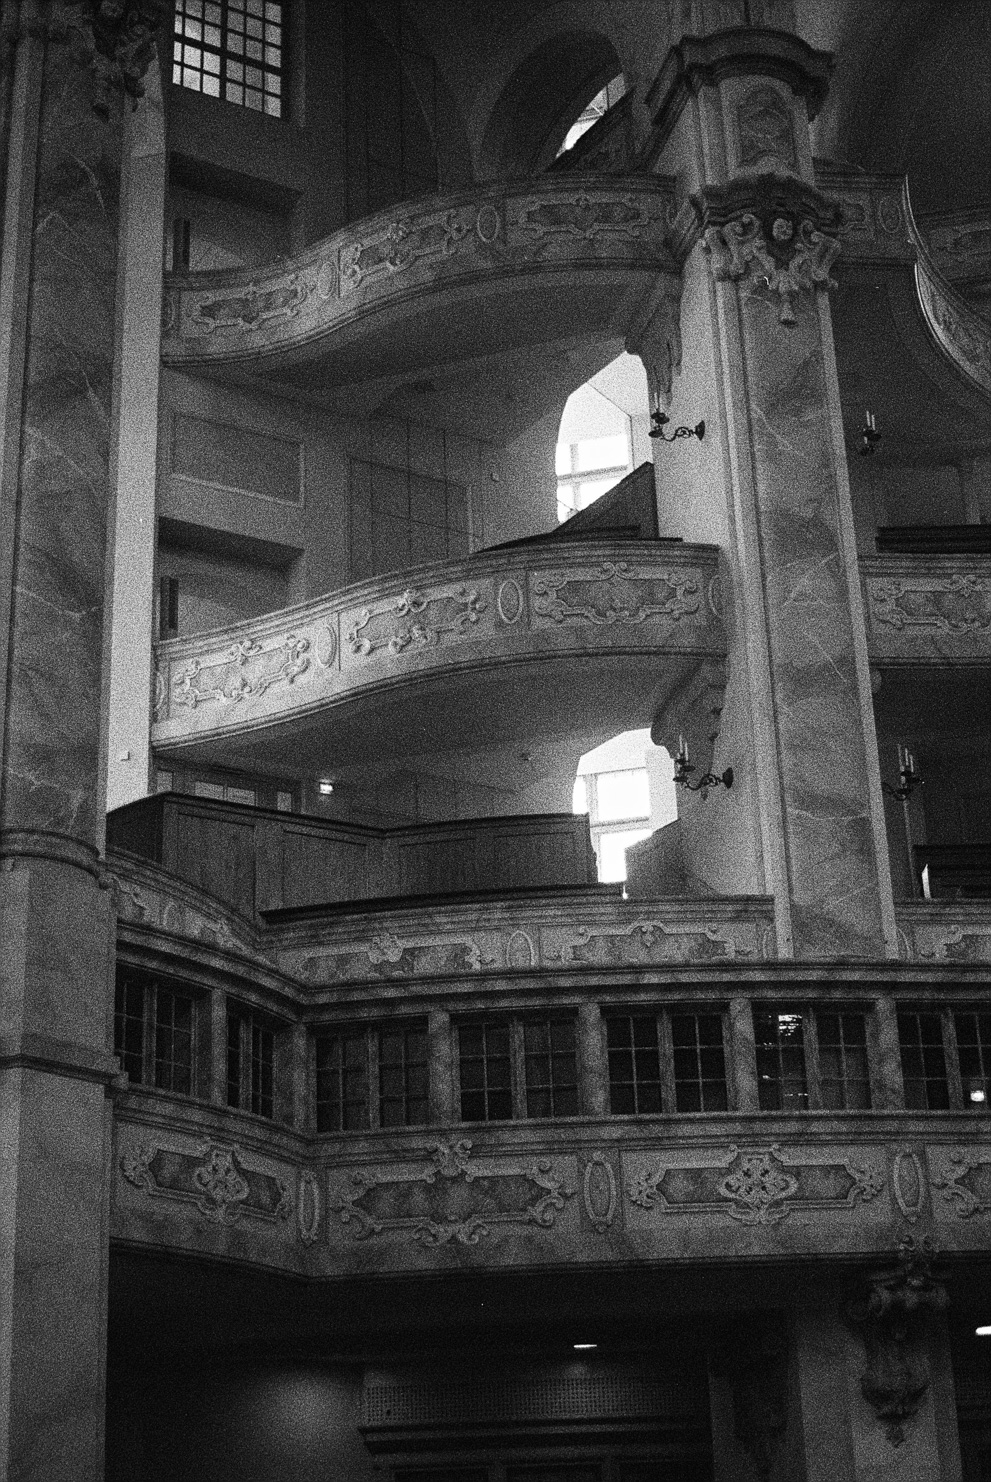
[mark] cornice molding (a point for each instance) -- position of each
(744, 51)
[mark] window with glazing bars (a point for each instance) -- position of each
(811, 1058)
(231, 49)
(250, 1061)
(946, 1059)
(154, 1033)
(666, 1062)
(372, 1077)
(518, 1067)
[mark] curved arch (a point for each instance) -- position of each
(542, 99)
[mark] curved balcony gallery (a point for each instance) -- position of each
(433, 280)
(594, 631)
(593, 1182)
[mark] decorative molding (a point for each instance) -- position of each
(587, 217)
(387, 955)
(245, 672)
(214, 1179)
(600, 1192)
(308, 1206)
(965, 1181)
(146, 906)
(509, 601)
(649, 941)
(115, 41)
(415, 620)
(614, 596)
(908, 1183)
(892, 1316)
(942, 603)
(376, 1202)
(521, 953)
(252, 309)
(759, 1188)
(787, 256)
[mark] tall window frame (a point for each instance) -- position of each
(232, 50)
(670, 1061)
(808, 1064)
(518, 1067)
(371, 1076)
(156, 1032)
(945, 1057)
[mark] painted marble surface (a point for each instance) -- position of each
(816, 693)
(50, 765)
(924, 609)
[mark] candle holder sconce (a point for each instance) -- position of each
(870, 435)
(661, 419)
(908, 778)
(683, 770)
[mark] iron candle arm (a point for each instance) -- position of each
(661, 419)
(908, 778)
(683, 770)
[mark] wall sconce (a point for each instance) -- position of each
(909, 778)
(661, 419)
(683, 770)
(871, 436)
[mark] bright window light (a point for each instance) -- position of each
(579, 796)
(612, 852)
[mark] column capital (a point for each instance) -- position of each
(744, 51)
(769, 228)
(115, 40)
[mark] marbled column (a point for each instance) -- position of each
(57, 293)
(770, 483)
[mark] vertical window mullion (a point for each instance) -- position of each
(372, 1067)
(148, 1037)
(813, 1081)
(517, 1068)
(952, 1059)
(665, 1048)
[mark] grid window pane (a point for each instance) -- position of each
(844, 1079)
(250, 1062)
(781, 1078)
(551, 1068)
(633, 1048)
(209, 41)
(923, 1061)
(129, 1028)
(342, 1081)
(262, 1070)
(173, 1041)
(486, 1072)
(622, 795)
(974, 1052)
(699, 1062)
(402, 1068)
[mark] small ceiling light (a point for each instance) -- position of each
(326, 787)
(978, 1096)
(984, 1332)
(579, 1346)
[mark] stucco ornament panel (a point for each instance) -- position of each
(253, 309)
(246, 671)
(417, 619)
(963, 1177)
(215, 1179)
(758, 1187)
(449, 1197)
(587, 216)
(400, 244)
(145, 906)
(764, 127)
(650, 941)
(957, 604)
(617, 595)
(952, 941)
(389, 954)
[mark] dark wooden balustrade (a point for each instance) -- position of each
(260, 861)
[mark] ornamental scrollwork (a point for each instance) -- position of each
(965, 1200)
(378, 1203)
(759, 1188)
(113, 39)
(788, 255)
(615, 596)
(253, 308)
(246, 671)
(955, 604)
(414, 629)
(214, 1179)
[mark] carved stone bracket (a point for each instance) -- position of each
(892, 1316)
(694, 711)
(655, 336)
(773, 232)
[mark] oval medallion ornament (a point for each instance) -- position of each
(907, 1182)
(519, 951)
(510, 601)
(488, 224)
(327, 647)
(308, 1207)
(599, 1192)
(327, 279)
(889, 214)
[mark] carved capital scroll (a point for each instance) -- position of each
(770, 231)
(115, 39)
